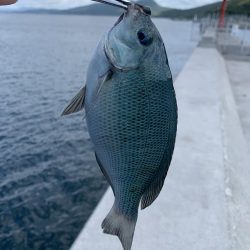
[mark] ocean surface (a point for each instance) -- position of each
(49, 180)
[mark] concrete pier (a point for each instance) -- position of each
(204, 204)
(239, 76)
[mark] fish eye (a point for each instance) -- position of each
(144, 39)
(147, 10)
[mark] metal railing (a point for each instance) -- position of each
(233, 38)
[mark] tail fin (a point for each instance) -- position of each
(118, 224)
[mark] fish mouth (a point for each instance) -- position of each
(126, 5)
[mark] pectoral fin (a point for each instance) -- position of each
(76, 104)
(107, 76)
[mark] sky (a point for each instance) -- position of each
(64, 4)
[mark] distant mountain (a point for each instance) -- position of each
(237, 7)
(240, 7)
(155, 8)
(102, 9)
(190, 13)
(94, 9)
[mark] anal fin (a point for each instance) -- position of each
(104, 172)
(154, 189)
(152, 192)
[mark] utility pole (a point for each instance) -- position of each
(222, 14)
(7, 2)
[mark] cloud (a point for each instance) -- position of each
(49, 4)
(64, 4)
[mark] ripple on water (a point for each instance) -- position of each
(49, 180)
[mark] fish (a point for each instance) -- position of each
(131, 114)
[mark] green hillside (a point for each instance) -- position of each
(239, 7)
(190, 13)
(235, 7)
(241, 2)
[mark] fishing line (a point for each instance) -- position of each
(112, 4)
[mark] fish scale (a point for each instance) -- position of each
(135, 138)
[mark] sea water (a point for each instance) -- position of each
(49, 180)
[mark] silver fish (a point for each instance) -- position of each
(131, 114)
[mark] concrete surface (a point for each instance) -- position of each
(237, 169)
(239, 74)
(208, 40)
(197, 208)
